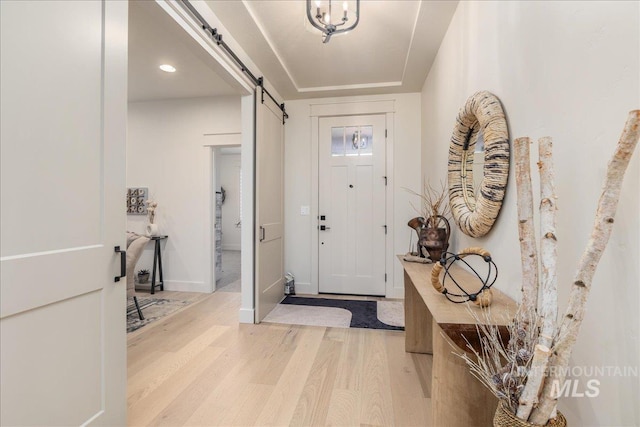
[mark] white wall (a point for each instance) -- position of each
(165, 153)
(298, 181)
(229, 167)
(569, 70)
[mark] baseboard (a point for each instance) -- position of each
(175, 285)
(231, 247)
(247, 315)
(305, 288)
(395, 293)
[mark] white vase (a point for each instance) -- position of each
(152, 230)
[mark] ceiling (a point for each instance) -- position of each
(155, 39)
(390, 51)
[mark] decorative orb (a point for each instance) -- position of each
(481, 295)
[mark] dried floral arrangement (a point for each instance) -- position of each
(434, 203)
(524, 373)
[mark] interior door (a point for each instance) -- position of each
(352, 196)
(269, 207)
(63, 113)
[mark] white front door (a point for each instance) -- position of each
(63, 113)
(352, 199)
(269, 207)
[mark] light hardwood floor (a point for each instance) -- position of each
(199, 367)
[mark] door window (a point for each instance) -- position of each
(352, 141)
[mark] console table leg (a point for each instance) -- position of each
(161, 283)
(458, 399)
(155, 261)
(417, 321)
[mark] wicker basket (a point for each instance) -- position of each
(505, 418)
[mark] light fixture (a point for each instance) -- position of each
(358, 140)
(322, 19)
(168, 68)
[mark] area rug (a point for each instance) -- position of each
(153, 309)
(339, 313)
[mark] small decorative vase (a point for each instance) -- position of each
(152, 230)
(143, 278)
(435, 239)
(505, 418)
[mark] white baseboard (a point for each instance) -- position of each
(395, 293)
(230, 247)
(181, 286)
(305, 288)
(247, 315)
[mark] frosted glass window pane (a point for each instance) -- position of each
(366, 140)
(337, 141)
(351, 137)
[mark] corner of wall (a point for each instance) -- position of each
(246, 315)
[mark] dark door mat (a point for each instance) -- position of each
(364, 314)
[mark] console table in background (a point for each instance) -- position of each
(434, 325)
(157, 263)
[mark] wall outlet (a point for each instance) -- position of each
(304, 210)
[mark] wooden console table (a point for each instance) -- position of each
(435, 325)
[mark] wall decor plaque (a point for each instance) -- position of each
(137, 200)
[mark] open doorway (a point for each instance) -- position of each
(177, 98)
(228, 167)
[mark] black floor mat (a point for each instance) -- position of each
(364, 314)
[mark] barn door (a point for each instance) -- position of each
(63, 112)
(269, 207)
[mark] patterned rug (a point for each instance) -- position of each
(152, 309)
(339, 313)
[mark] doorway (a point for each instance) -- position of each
(172, 116)
(352, 205)
(228, 222)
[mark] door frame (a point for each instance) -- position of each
(317, 111)
(214, 141)
(232, 75)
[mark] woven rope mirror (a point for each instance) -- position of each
(476, 211)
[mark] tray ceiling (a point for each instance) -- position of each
(391, 50)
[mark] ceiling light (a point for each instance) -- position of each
(168, 68)
(323, 22)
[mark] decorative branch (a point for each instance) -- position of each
(434, 202)
(529, 395)
(548, 303)
(603, 225)
(528, 251)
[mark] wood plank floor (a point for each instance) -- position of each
(200, 367)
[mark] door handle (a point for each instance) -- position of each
(261, 233)
(324, 227)
(123, 263)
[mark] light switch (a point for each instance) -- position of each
(304, 210)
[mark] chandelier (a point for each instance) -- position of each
(325, 22)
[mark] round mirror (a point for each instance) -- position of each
(475, 204)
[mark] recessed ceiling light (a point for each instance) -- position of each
(168, 68)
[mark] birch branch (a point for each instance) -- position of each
(529, 395)
(548, 302)
(526, 231)
(602, 227)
